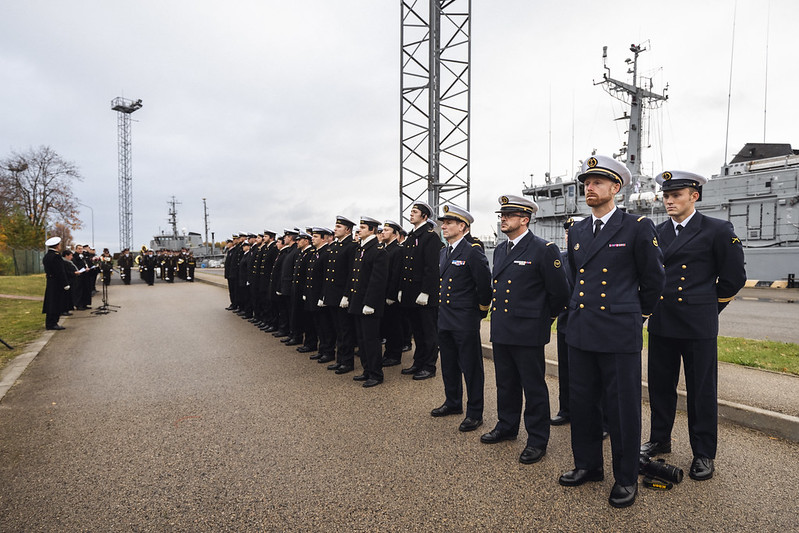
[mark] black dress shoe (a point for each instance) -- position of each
(445, 410)
(559, 420)
(371, 383)
(306, 349)
(294, 342)
(424, 374)
(343, 369)
(334, 366)
(701, 468)
(650, 448)
(269, 329)
(531, 455)
(56, 327)
(326, 359)
(390, 362)
(360, 377)
(470, 424)
(315, 356)
(277, 334)
(578, 476)
(253, 320)
(494, 436)
(410, 370)
(623, 495)
(229, 308)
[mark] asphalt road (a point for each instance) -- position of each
(175, 415)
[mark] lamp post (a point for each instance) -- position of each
(92, 210)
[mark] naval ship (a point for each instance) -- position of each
(757, 191)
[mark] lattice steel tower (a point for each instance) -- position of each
(124, 108)
(434, 103)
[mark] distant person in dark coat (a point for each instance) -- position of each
(57, 287)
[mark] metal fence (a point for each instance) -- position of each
(28, 262)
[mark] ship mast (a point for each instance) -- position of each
(173, 217)
(637, 98)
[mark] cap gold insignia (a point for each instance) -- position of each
(557, 263)
(504, 200)
(667, 176)
(576, 246)
(592, 162)
(446, 209)
(655, 241)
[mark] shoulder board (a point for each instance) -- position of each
(476, 244)
(431, 230)
(640, 219)
(549, 243)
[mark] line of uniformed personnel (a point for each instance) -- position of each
(165, 264)
(324, 291)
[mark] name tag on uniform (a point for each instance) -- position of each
(523, 263)
(617, 245)
(458, 262)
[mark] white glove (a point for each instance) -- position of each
(399, 296)
(345, 302)
(320, 303)
(248, 284)
(279, 293)
(389, 301)
(66, 288)
(422, 299)
(303, 298)
(368, 310)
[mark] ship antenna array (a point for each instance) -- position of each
(435, 75)
(173, 216)
(124, 109)
(638, 98)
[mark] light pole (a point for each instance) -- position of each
(92, 210)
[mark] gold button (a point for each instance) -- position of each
(582, 293)
(684, 267)
(506, 310)
(494, 309)
(507, 291)
(447, 300)
(679, 299)
(493, 299)
(682, 279)
(508, 282)
(582, 270)
(602, 308)
(679, 288)
(581, 306)
(496, 281)
(506, 301)
(602, 295)
(604, 270)
(450, 279)
(582, 282)
(604, 283)
(495, 290)
(661, 297)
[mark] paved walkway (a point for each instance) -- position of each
(175, 415)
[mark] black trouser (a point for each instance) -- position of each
(345, 337)
(284, 309)
(245, 305)
(367, 329)
(231, 289)
(462, 354)
(76, 291)
(326, 330)
(423, 323)
(522, 369)
(309, 327)
(700, 360)
(617, 376)
(563, 375)
(297, 318)
(126, 276)
(392, 331)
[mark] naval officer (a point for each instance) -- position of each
(704, 264)
(464, 299)
(616, 269)
(530, 289)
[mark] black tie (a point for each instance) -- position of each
(510, 245)
(597, 226)
(449, 251)
(677, 230)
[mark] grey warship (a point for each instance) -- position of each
(757, 191)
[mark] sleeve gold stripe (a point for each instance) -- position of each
(485, 307)
(725, 300)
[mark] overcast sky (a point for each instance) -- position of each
(286, 113)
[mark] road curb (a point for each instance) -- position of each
(770, 422)
(14, 369)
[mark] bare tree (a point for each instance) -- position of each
(39, 182)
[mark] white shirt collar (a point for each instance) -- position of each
(520, 237)
(455, 244)
(367, 239)
(684, 222)
(605, 218)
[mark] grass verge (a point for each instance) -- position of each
(21, 321)
(770, 355)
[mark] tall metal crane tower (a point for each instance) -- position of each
(434, 103)
(124, 109)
